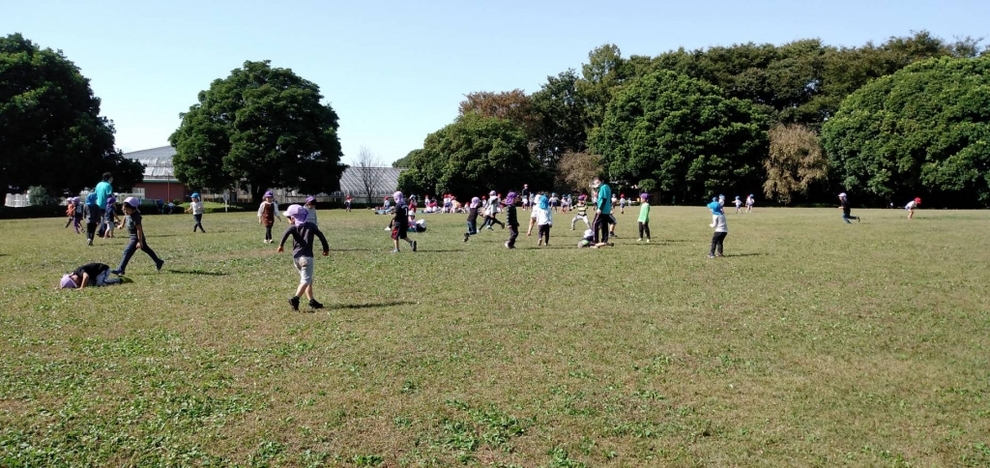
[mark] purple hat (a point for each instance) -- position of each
(644, 196)
(67, 282)
(132, 202)
(510, 198)
(310, 199)
(475, 202)
(268, 194)
(297, 213)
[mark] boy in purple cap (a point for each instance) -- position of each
(267, 214)
(302, 232)
(90, 274)
(310, 206)
(511, 219)
(132, 219)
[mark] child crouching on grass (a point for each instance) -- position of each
(90, 274)
(302, 233)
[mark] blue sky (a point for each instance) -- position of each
(396, 71)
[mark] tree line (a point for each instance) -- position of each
(796, 123)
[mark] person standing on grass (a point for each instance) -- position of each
(90, 274)
(750, 201)
(738, 203)
(524, 194)
(603, 210)
(93, 217)
(110, 217)
(644, 217)
(581, 212)
(541, 217)
(310, 206)
(844, 206)
(491, 209)
(196, 208)
(132, 219)
(721, 228)
(347, 203)
(511, 219)
(302, 232)
(400, 223)
(103, 192)
(911, 206)
(472, 218)
(70, 212)
(267, 214)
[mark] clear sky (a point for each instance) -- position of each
(396, 71)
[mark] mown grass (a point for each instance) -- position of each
(813, 343)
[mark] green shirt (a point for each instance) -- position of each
(644, 213)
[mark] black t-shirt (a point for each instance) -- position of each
(401, 217)
(472, 215)
(91, 269)
(133, 221)
(510, 214)
(844, 204)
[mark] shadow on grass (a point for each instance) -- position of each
(197, 272)
(437, 250)
(751, 254)
(372, 305)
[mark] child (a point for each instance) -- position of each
(511, 219)
(132, 219)
(92, 211)
(347, 203)
(111, 219)
(738, 203)
(310, 206)
(911, 206)
(844, 206)
(582, 212)
(70, 212)
(622, 203)
(302, 233)
(750, 200)
(541, 217)
(90, 274)
(78, 212)
(472, 219)
(554, 202)
(491, 209)
(400, 223)
(644, 217)
(721, 228)
(588, 241)
(196, 208)
(267, 214)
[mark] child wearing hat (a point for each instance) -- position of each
(93, 215)
(846, 209)
(111, 220)
(541, 217)
(738, 203)
(132, 220)
(644, 217)
(267, 214)
(581, 210)
(310, 206)
(196, 208)
(472, 218)
(491, 209)
(750, 201)
(400, 223)
(302, 232)
(90, 274)
(511, 219)
(911, 206)
(721, 228)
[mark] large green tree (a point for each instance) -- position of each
(51, 131)
(684, 134)
(922, 130)
(560, 119)
(261, 127)
(471, 156)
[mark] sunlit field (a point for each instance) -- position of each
(811, 343)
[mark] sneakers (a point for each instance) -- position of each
(639, 240)
(414, 246)
(647, 241)
(466, 236)
(89, 242)
(711, 256)
(294, 302)
(395, 251)
(315, 305)
(158, 266)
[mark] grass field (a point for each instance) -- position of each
(812, 343)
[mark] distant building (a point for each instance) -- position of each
(159, 178)
(386, 180)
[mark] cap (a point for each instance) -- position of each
(310, 199)
(917, 200)
(67, 282)
(397, 195)
(492, 193)
(194, 195)
(268, 194)
(296, 211)
(582, 197)
(842, 195)
(510, 198)
(644, 196)
(133, 202)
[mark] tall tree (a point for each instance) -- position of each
(795, 162)
(604, 73)
(405, 161)
(684, 134)
(260, 127)
(921, 130)
(471, 155)
(561, 113)
(576, 170)
(513, 105)
(371, 173)
(51, 131)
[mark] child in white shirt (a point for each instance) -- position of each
(196, 208)
(541, 217)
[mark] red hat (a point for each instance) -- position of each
(917, 200)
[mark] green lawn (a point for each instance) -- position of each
(812, 343)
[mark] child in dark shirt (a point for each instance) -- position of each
(472, 219)
(302, 232)
(90, 274)
(93, 216)
(844, 206)
(400, 223)
(132, 219)
(512, 220)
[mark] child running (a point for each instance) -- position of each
(400, 223)
(844, 206)
(267, 214)
(302, 232)
(738, 203)
(750, 201)
(491, 209)
(132, 219)
(644, 217)
(196, 208)
(511, 219)
(70, 212)
(721, 228)
(472, 218)
(541, 217)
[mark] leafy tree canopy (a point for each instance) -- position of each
(406, 160)
(923, 130)
(51, 132)
(473, 155)
(684, 134)
(261, 127)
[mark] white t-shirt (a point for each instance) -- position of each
(197, 208)
(719, 222)
(911, 204)
(541, 216)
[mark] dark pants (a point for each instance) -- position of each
(199, 222)
(644, 227)
(600, 226)
(268, 233)
(717, 239)
(91, 230)
(544, 234)
(472, 228)
(491, 221)
(513, 234)
(846, 216)
(129, 250)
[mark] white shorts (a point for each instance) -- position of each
(305, 267)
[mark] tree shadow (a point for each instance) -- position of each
(372, 305)
(197, 272)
